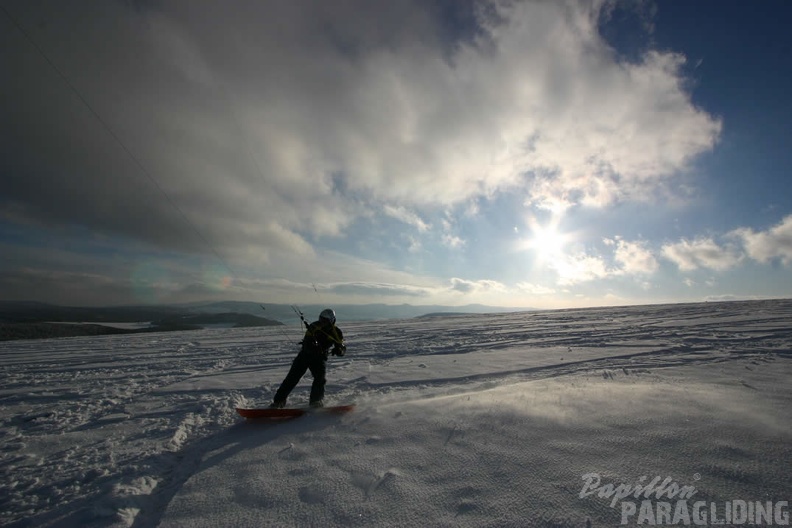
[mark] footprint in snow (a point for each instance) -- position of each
(465, 507)
(369, 483)
(311, 495)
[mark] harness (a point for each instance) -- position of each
(317, 335)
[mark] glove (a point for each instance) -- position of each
(339, 350)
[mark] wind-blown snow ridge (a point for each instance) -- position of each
(470, 420)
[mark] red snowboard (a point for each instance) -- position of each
(292, 413)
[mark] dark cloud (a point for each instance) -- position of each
(250, 116)
(262, 132)
(66, 288)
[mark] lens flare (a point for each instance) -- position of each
(217, 278)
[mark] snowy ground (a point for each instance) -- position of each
(496, 420)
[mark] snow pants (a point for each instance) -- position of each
(306, 360)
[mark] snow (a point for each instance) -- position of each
(487, 420)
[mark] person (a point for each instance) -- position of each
(320, 337)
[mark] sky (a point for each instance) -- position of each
(536, 154)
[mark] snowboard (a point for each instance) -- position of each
(293, 412)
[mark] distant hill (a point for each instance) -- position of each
(345, 312)
(25, 319)
(31, 320)
(21, 311)
(12, 331)
(31, 312)
(231, 320)
(442, 314)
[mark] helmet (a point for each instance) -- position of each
(328, 315)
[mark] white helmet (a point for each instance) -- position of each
(328, 315)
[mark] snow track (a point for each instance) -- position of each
(127, 430)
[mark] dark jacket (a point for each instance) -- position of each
(320, 337)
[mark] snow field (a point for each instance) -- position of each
(461, 421)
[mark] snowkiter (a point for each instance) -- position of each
(320, 337)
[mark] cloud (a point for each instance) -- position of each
(65, 287)
(474, 287)
(414, 244)
(535, 289)
(690, 255)
(730, 297)
(629, 258)
(581, 267)
(453, 241)
(408, 217)
(764, 246)
(378, 290)
(272, 124)
(449, 238)
(634, 257)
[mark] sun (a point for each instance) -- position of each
(546, 241)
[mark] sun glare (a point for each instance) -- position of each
(546, 241)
